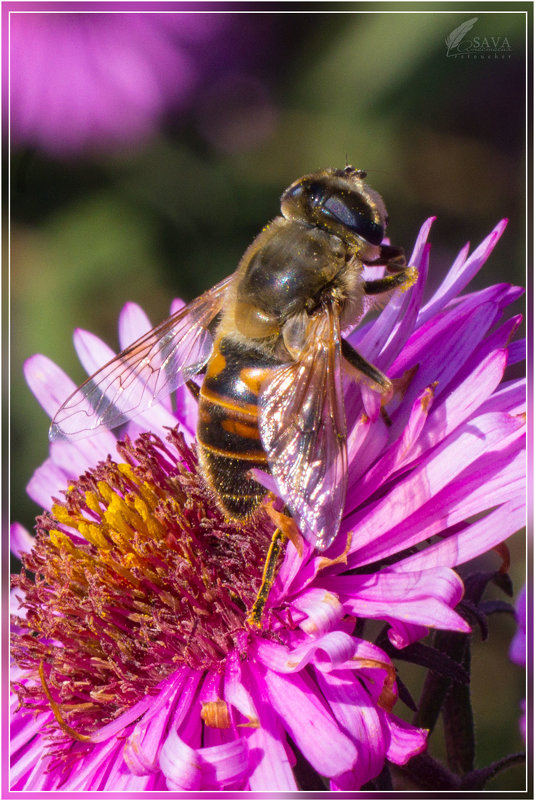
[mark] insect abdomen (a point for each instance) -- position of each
(227, 431)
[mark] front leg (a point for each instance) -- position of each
(390, 256)
(376, 379)
(403, 279)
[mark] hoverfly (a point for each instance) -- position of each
(269, 339)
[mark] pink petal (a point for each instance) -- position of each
(441, 352)
(235, 692)
(268, 754)
(75, 457)
(117, 725)
(402, 634)
(133, 323)
(502, 294)
(510, 397)
(475, 539)
(462, 448)
(293, 570)
(176, 305)
(517, 649)
(24, 725)
(366, 441)
(96, 765)
(20, 540)
(462, 402)
(93, 354)
(357, 435)
(272, 770)
(461, 273)
(225, 764)
(421, 242)
(409, 307)
(116, 774)
(495, 341)
(405, 740)
(51, 386)
(311, 726)
(468, 495)
(352, 708)
(372, 342)
(180, 764)
(91, 350)
(143, 744)
(32, 767)
(517, 351)
(425, 598)
(186, 768)
(47, 482)
(327, 652)
(322, 609)
(401, 450)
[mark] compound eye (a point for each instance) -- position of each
(371, 231)
(316, 193)
(356, 216)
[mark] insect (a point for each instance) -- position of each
(269, 339)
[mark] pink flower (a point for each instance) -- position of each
(143, 674)
(84, 81)
(517, 650)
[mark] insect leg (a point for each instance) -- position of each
(278, 541)
(194, 389)
(377, 379)
(286, 529)
(404, 278)
(392, 256)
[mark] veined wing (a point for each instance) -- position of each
(303, 430)
(144, 372)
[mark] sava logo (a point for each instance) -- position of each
(478, 47)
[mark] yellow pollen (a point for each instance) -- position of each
(146, 513)
(62, 516)
(411, 278)
(92, 500)
(60, 540)
(93, 533)
(127, 470)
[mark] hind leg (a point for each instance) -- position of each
(286, 530)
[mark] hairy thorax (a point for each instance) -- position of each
(287, 274)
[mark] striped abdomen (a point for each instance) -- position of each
(227, 431)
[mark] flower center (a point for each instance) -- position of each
(136, 573)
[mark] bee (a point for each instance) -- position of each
(269, 340)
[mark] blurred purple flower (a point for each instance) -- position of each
(517, 650)
(85, 81)
(144, 675)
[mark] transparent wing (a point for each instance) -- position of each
(144, 372)
(303, 430)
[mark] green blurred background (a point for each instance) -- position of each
(438, 136)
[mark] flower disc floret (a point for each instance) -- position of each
(135, 574)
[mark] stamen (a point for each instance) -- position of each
(135, 573)
(55, 709)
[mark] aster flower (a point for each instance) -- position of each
(517, 650)
(135, 669)
(96, 80)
